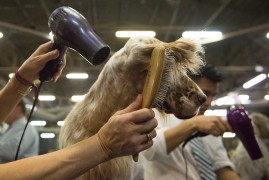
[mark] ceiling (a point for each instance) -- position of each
(244, 24)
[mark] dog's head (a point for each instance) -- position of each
(183, 97)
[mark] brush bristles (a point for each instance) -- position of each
(169, 62)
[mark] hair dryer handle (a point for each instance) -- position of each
(51, 67)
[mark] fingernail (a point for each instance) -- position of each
(55, 79)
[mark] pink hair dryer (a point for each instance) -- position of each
(241, 123)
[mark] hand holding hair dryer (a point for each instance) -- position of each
(239, 120)
(72, 30)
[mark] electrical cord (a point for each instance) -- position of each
(28, 119)
(194, 135)
(185, 162)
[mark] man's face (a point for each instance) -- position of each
(210, 89)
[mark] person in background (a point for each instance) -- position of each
(168, 159)
(10, 139)
(131, 126)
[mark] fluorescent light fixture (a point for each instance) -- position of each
(77, 98)
(199, 35)
(60, 123)
(226, 100)
(50, 36)
(38, 123)
(216, 112)
(254, 81)
(11, 75)
(46, 97)
(47, 135)
(1, 35)
(259, 68)
(77, 76)
(266, 97)
(128, 34)
(228, 135)
(243, 97)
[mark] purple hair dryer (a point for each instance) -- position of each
(71, 29)
(240, 122)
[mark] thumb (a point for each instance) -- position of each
(135, 105)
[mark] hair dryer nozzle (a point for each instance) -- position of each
(241, 123)
(71, 29)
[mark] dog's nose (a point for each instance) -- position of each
(201, 98)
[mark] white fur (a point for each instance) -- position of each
(119, 83)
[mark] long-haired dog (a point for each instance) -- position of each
(258, 169)
(119, 83)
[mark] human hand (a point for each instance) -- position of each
(214, 125)
(31, 68)
(126, 131)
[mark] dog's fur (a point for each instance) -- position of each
(119, 83)
(257, 169)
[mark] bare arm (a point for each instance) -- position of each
(206, 124)
(178, 134)
(66, 163)
(227, 173)
(10, 95)
(123, 134)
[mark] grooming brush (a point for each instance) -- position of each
(157, 80)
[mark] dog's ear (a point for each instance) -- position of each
(189, 54)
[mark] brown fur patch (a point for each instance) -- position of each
(119, 83)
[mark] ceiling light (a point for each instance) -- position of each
(267, 35)
(254, 81)
(228, 135)
(47, 135)
(216, 112)
(243, 97)
(199, 35)
(266, 97)
(46, 98)
(38, 123)
(128, 34)
(60, 123)
(77, 76)
(1, 35)
(50, 36)
(11, 75)
(227, 100)
(259, 68)
(77, 98)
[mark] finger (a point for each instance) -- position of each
(147, 137)
(142, 116)
(59, 70)
(147, 126)
(43, 48)
(44, 58)
(221, 126)
(228, 126)
(135, 105)
(144, 146)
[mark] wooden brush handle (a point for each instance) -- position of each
(153, 80)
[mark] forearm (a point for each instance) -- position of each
(67, 163)
(10, 95)
(227, 173)
(178, 134)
